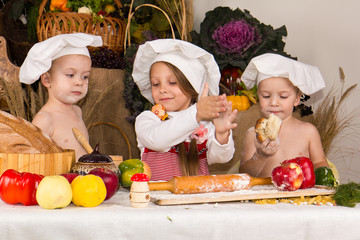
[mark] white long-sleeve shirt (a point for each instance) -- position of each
(160, 136)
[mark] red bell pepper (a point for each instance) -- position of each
(308, 169)
(16, 187)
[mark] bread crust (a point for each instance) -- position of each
(260, 129)
(267, 128)
(18, 135)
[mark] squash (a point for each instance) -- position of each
(59, 5)
(241, 103)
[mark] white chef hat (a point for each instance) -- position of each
(41, 55)
(195, 63)
(306, 77)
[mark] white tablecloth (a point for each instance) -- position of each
(116, 219)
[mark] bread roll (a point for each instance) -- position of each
(267, 128)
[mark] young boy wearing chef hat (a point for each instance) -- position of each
(198, 131)
(63, 64)
(281, 81)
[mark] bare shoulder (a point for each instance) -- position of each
(306, 127)
(42, 117)
(44, 120)
(77, 110)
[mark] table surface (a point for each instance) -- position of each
(116, 219)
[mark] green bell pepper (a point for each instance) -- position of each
(324, 176)
(128, 168)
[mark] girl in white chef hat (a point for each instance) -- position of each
(281, 81)
(187, 129)
(63, 64)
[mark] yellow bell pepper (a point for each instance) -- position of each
(59, 5)
(241, 103)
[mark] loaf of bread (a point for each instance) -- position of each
(267, 128)
(18, 135)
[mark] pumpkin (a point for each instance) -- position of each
(59, 5)
(241, 103)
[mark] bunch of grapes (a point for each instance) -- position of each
(107, 58)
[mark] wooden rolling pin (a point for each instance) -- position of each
(209, 183)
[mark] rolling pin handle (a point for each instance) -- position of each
(161, 186)
(260, 181)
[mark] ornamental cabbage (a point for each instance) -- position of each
(234, 37)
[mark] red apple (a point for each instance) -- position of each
(70, 176)
(287, 177)
(110, 179)
(308, 170)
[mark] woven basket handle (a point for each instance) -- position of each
(41, 7)
(131, 14)
(43, 3)
(118, 128)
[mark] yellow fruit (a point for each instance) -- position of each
(241, 103)
(54, 192)
(334, 170)
(147, 169)
(109, 8)
(88, 190)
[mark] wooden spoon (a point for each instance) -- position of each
(82, 140)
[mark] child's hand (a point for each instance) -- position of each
(268, 147)
(224, 123)
(210, 107)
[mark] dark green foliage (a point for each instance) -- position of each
(347, 194)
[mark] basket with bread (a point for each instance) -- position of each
(23, 147)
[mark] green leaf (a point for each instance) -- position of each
(159, 23)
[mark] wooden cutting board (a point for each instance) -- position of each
(257, 192)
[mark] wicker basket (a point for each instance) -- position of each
(112, 30)
(46, 164)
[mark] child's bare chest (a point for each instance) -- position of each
(63, 125)
(293, 143)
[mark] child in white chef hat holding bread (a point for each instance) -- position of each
(281, 81)
(187, 129)
(63, 64)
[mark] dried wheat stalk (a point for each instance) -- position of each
(90, 115)
(14, 97)
(181, 14)
(329, 118)
(23, 102)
